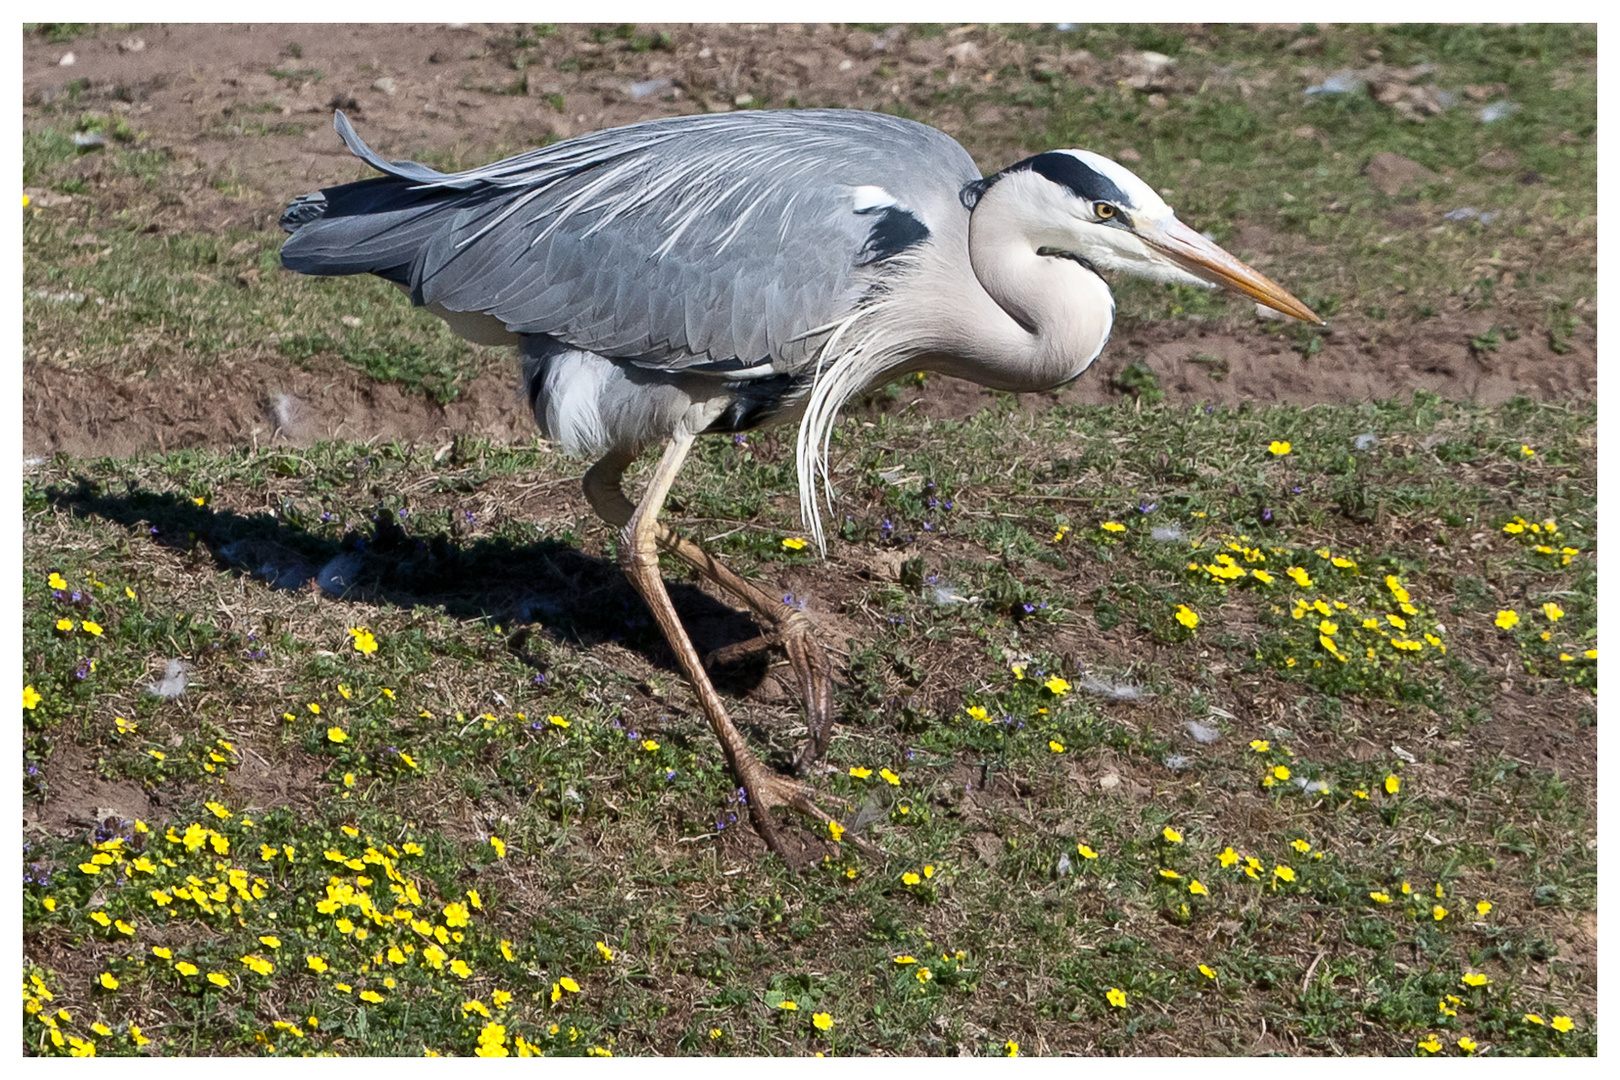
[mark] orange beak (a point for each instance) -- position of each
(1210, 261)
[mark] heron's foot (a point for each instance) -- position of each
(810, 666)
(768, 789)
(794, 635)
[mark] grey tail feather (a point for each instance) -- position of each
(376, 226)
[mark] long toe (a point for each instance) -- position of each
(768, 790)
(810, 665)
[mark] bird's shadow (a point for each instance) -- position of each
(568, 596)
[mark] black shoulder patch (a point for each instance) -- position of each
(1086, 183)
(894, 231)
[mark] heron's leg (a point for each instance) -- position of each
(638, 555)
(791, 628)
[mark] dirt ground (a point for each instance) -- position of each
(415, 90)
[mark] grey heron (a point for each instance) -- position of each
(714, 273)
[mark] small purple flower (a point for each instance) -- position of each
(1298, 490)
(742, 795)
(153, 530)
(949, 503)
(540, 679)
(739, 439)
(326, 515)
(77, 596)
(470, 516)
(1265, 515)
(928, 527)
(1147, 508)
(403, 513)
(670, 775)
(83, 670)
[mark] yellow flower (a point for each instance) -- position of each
(185, 968)
(789, 1006)
(371, 996)
(459, 968)
(905, 959)
(1380, 897)
(1281, 772)
(911, 877)
(258, 964)
(64, 625)
(1483, 907)
(1549, 609)
(823, 1021)
(1285, 873)
(1262, 577)
(1526, 451)
(1113, 527)
(499, 845)
(1301, 846)
(1197, 888)
(107, 981)
(1012, 1048)
(1054, 746)
(1057, 685)
(793, 543)
(924, 974)
(56, 581)
(1171, 836)
(1116, 997)
(1169, 875)
(337, 734)
(649, 745)
(1300, 576)
(835, 830)
(31, 697)
(1562, 1023)
(859, 773)
(1507, 619)
(606, 953)
(1474, 978)
(1086, 852)
(1186, 616)
(456, 914)
(1279, 447)
(1439, 913)
(1392, 784)
(95, 628)
(219, 978)
(1431, 1044)
(1207, 972)
(363, 641)
(314, 707)
(890, 777)
(316, 964)
(1228, 857)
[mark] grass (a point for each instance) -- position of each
(477, 775)
(1188, 730)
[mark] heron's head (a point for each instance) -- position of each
(1078, 205)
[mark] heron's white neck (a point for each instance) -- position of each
(1036, 321)
(981, 306)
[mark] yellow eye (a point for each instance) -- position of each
(1104, 211)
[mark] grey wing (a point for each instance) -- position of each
(712, 242)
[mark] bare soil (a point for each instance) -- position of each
(245, 141)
